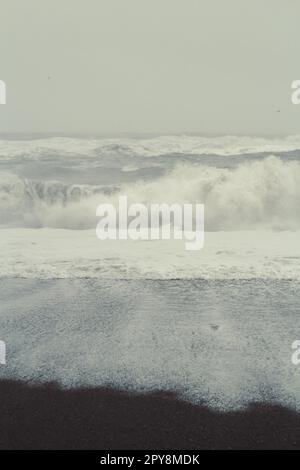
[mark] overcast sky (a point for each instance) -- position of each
(157, 66)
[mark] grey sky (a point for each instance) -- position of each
(162, 66)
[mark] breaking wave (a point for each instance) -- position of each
(262, 194)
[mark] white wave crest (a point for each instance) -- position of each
(264, 194)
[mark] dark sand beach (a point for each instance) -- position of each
(47, 417)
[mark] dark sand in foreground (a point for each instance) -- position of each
(47, 417)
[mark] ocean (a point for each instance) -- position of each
(215, 327)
